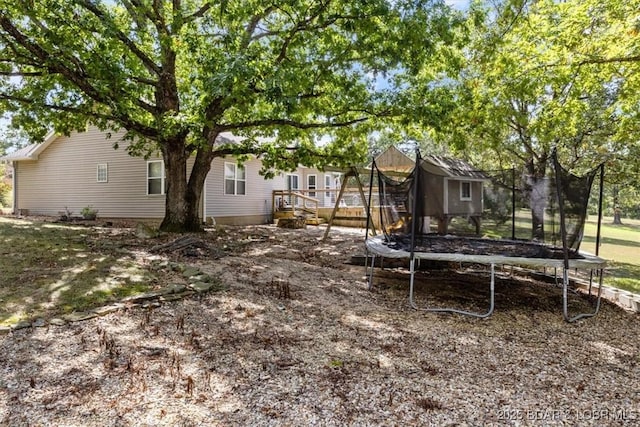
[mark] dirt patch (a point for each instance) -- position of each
(298, 339)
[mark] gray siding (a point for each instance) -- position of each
(256, 203)
(464, 207)
(65, 176)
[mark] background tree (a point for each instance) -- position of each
(176, 74)
(538, 77)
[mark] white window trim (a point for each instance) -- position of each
(106, 172)
(287, 180)
(327, 185)
(315, 185)
(235, 179)
(161, 178)
(462, 197)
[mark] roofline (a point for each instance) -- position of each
(34, 152)
(48, 139)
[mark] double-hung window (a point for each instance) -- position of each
(235, 179)
(311, 185)
(155, 177)
(102, 173)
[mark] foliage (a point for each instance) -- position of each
(284, 76)
(550, 75)
(88, 212)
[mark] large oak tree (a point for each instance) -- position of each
(176, 74)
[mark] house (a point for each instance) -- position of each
(69, 173)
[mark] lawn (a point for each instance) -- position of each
(50, 269)
(619, 244)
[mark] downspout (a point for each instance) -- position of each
(204, 200)
(14, 187)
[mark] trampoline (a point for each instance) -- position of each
(401, 201)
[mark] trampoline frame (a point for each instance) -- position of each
(376, 247)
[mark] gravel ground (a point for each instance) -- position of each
(297, 339)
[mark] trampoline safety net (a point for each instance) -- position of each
(522, 206)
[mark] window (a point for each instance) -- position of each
(293, 182)
(311, 185)
(102, 174)
(155, 177)
(235, 179)
(327, 185)
(465, 190)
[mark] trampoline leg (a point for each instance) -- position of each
(492, 292)
(412, 271)
(565, 309)
(370, 273)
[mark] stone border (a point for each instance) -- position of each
(625, 299)
(197, 283)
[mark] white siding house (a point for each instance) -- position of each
(71, 173)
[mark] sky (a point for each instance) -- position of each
(458, 4)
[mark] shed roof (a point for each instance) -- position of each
(455, 168)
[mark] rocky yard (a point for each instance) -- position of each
(290, 335)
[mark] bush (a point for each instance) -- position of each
(88, 212)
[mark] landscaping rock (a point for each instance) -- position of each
(57, 322)
(190, 272)
(175, 288)
(202, 286)
(142, 297)
(5, 330)
(79, 316)
(39, 323)
(200, 278)
(22, 325)
(101, 311)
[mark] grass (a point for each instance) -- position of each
(619, 244)
(53, 269)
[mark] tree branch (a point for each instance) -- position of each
(287, 122)
(198, 13)
(147, 62)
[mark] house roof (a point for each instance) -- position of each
(32, 151)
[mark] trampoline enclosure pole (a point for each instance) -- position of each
(513, 203)
(600, 209)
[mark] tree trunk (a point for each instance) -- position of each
(538, 194)
(617, 217)
(183, 197)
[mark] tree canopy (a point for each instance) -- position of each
(176, 74)
(544, 74)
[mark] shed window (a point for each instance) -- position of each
(102, 173)
(465, 190)
(155, 177)
(235, 179)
